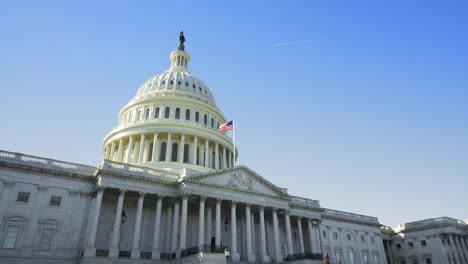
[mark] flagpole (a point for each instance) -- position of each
(234, 140)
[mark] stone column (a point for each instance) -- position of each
(463, 246)
(301, 238)
(207, 153)
(216, 156)
(458, 249)
(114, 249)
(37, 206)
(201, 156)
(129, 149)
(183, 222)
(168, 147)
(155, 148)
(169, 228)
(180, 155)
(452, 243)
(194, 150)
(265, 257)
(175, 225)
(90, 251)
(136, 232)
(288, 233)
(389, 251)
(112, 151)
(201, 222)
(142, 148)
(278, 257)
(218, 223)
(253, 233)
(317, 236)
(156, 253)
(223, 163)
(248, 227)
(119, 151)
(234, 255)
(311, 236)
(209, 227)
(229, 165)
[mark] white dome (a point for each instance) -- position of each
(172, 124)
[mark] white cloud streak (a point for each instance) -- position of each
(295, 42)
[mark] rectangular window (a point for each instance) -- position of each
(372, 239)
(46, 239)
(428, 261)
(55, 201)
(197, 116)
(410, 244)
(362, 238)
(398, 246)
(11, 236)
(423, 243)
(23, 197)
(335, 235)
(415, 261)
(324, 234)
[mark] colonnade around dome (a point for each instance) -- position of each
(159, 149)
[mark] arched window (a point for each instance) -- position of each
(212, 122)
(348, 236)
(150, 152)
(217, 124)
(175, 148)
(186, 153)
(197, 116)
(138, 114)
(177, 113)
(187, 114)
(147, 113)
(179, 82)
(186, 84)
(205, 120)
(162, 152)
(172, 82)
(156, 112)
(166, 113)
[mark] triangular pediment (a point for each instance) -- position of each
(239, 178)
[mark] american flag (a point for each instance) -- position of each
(227, 126)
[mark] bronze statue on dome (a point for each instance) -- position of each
(181, 41)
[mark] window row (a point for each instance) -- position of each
(166, 113)
(166, 83)
(13, 231)
(411, 244)
(348, 237)
(23, 197)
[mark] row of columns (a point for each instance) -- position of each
(114, 151)
(458, 245)
(115, 239)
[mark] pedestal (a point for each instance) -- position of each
(266, 259)
(235, 257)
(250, 258)
(135, 254)
(114, 253)
(89, 252)
(155, 255)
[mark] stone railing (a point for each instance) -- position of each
(350, 216)
(300, 256)
(304, 201)
(441, 221)
(137, 170)
(39, 162)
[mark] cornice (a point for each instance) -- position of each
(106, 173)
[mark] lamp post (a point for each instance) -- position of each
(226, 225)
(327, 259)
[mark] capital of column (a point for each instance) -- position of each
(248, 205)
(42, 188)
(218, 200)
(122, 191)
(203, 198)
(100, 189)
(141, 195)
(185, 195)
(160, 195)
(233, 203)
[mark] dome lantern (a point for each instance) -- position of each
(180, 58)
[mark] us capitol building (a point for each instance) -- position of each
(167, 191)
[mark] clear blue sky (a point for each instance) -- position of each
(369, 114)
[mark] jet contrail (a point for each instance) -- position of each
(294, 42)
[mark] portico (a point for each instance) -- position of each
(245, 209)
